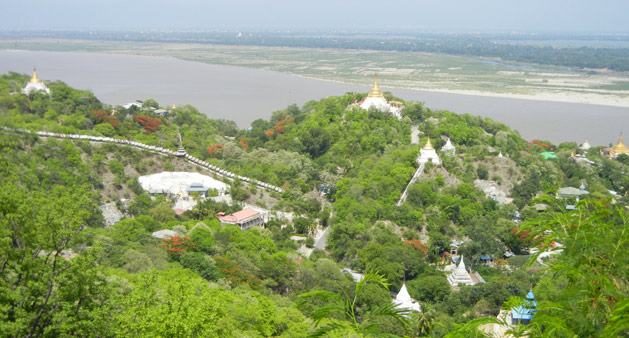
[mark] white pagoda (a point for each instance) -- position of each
(428, 154)
(585, 146)
(376, 99)
(448, 148)
(403, 300)
(460, 276)
(34, 85)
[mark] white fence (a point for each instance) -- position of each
(147, 147)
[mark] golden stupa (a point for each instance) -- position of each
(375, 91)
(428, 145)
(619, 148)
(35, 79)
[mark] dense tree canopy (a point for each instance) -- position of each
(63, 272)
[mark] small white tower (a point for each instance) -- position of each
(403, 300)
(428, 154)
(448, 148)
(460, 276)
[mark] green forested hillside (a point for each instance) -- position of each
(63, 272)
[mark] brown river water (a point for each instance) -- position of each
(244, 95)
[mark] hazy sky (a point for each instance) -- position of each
(320, 15)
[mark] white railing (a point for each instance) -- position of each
(161, 150)
(412, 181)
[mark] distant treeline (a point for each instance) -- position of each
(467, 45)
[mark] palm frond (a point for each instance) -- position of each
(320, 332)
(324, 311)
(388, 310)
(320, 293)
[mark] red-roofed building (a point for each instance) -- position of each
(245, 218)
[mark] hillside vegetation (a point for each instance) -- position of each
(63, 273)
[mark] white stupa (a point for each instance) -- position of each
(585, 146)
(460, 276)
(448, 148)
(34, 85)
(428, 154)
(403, 300)
(376, 99)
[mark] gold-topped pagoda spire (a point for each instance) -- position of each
(35, 79)
(619, 148)
(620, 144)
(375, 91)
(428, 145)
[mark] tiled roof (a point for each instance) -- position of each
(240, 215)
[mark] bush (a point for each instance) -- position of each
(429, 289)
(302, 225)
(310, 242)
(105, 129)
(201, 264)
(482, 171)
(517, 262)
(203, 239)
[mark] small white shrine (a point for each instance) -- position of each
(403, 300)
(428, 154)
(448, 148)
(585, 146)
(34, 85)
(460, 276)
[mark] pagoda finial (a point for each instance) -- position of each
(620, 147)
(428, 145)
(35, 79)
(375, 91)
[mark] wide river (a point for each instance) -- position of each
(244, 95)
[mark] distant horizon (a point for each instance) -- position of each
(455, 16)
(540, 33)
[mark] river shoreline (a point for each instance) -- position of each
(244, 95)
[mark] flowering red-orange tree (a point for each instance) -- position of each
(176, 245)
(539, 143)
(417, 245)
(233, 273)
(215, 150)
(150, 124)
(102, 116)
(243, 143)
(281, 125)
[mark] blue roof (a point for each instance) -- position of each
(527, 309)
(520, 312)
(530, 295)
